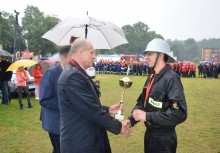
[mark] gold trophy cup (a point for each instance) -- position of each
(125, 83)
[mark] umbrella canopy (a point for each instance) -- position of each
(4, 53)
(45, 64)
(19, 63)
(102, 34)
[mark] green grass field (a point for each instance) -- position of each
(21, 132)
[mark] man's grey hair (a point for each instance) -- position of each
(79, 43)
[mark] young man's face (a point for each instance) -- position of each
(150, 57)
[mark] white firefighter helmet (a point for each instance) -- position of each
(161, 46)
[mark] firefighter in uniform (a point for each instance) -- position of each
(161, 105)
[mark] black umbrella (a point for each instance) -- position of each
(4, 53)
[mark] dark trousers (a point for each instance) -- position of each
(160, 142)
(5, 91)
(55, 140)
(20, 89)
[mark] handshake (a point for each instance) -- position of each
(126, 128)
(138, 115)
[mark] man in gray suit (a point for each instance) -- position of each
(50, 115)
(84, 121)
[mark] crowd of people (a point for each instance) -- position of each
(209, 70)
(183, 69)
(121, 67)
(22, 76)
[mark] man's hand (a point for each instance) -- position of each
(125, 129)
(127, 123)
(114, 108)
(139, 115)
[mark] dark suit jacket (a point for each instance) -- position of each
(50, 115)
(83, 120)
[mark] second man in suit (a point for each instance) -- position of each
(50, 115)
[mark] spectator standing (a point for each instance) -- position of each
(192, 69)
(215, 70)
(37, 74)
(5, 79)
(200, 68)
(208, 65)
(134, 69)
(218, 70)
(140, 69)
(97, 83)
(178, 69)
(22, 78)
(205, 70)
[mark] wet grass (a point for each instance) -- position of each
(21, 132)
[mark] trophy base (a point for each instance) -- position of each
(119, 117)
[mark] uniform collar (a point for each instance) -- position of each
(160, 74)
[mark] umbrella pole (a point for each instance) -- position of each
(86, 32)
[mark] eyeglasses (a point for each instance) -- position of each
(149, 53)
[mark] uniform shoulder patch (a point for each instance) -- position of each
(175, 104)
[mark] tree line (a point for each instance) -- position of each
(35, 23)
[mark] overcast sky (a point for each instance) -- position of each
(173, 19)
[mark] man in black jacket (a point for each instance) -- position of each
(5, 79)
(83, 119)
(161, 105)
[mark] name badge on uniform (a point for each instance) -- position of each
(155, 103)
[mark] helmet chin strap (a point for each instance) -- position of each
(155, 63)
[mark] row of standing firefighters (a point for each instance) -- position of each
(183, 69)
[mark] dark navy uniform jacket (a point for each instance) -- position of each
(166, 104)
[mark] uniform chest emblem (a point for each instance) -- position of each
(155, 103)
(175, 104)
